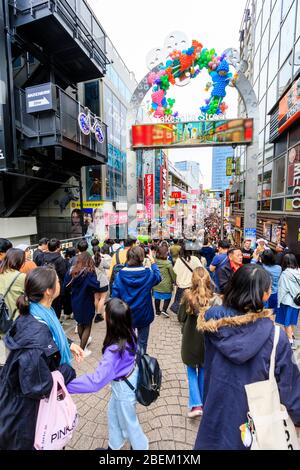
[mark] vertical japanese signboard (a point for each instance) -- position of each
(163, 185)
(149, 195)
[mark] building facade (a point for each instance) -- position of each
(219, 180)
(270, 43)
(191, 171)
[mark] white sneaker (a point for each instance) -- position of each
(76, 329)
(89, 341)
(165, 314)
(87, 352)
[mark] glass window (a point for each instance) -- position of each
(285, 75)
(266, 13)
(263, 80)
(277, 204)
(298, 22)
(262, 113)
(108, 112)
(116, 122)
(286, 4)
(264, 46)
(280, 145)
(287, 34)
(91, 96)
(279, 175)
(115, 78)
(257, 33)
(275, 21)
(272, 95)
(297, 55)
(273, 61)
(123, 127)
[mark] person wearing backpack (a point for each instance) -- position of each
(134, 284)
(118, 363)
(163, 291)
(239, 337)
(119, 260)
(11, 287)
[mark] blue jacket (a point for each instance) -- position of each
(134, 286)
(238, 353)
(83, 287)
(25, 379)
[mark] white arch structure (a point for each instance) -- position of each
(249, 99)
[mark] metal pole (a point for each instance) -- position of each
(81, 204)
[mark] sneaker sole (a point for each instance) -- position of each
(165, 314)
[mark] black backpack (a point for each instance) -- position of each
(116, 269)
(149, 380)
(5, 320)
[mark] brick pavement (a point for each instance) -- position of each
(165, 421)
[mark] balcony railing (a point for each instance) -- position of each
(59, 127)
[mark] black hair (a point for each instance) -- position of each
(5, 245)
(233, 248)
(119, 329)
(36, 283)
(268, 258)
(105, 249)
(225, 244)
(14, 259)
(53, 244)
(43, 241)
(82, 245)
(95, 242)
(246, 289)
(97, 256)
(175, 240)
(184, 253)
(135, 257)
(129, 242)
(70, 252)
(289, 261)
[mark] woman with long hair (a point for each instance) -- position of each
(38, 346)
(184, 267)
(163, 290)
(117, 363)
(82, 281)
(101, 267)
(288, 288)
(239, 337)
(195, 302)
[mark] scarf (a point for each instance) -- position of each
(48, 316)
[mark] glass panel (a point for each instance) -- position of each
(297, 54)
(257, 33)
(108, 111)
(262, 113)
(272, 95)
(256, 65)
(263, 80)
(279, 175)
(264, 45)
(285, 75)
(293, 169)
(267, 184)
(115, 78)
(287, 34)
(273, 61)
(275, 21)
(285, 6)
(116, 122)
(92, 99)
(266, 13)
(277, 204)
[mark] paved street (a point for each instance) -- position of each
(165, 421)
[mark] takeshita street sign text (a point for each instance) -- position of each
(193, 134)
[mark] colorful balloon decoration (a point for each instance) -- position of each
(186, 64)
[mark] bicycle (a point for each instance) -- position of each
(89, 123)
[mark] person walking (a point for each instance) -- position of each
(288, 288)
(268, 262)
(247, 252)
(184, 267)
(133, 284)
(218, 261)
(38, 346)
(163, 290)
(175, 250)
(226, 271)
(208, 251)
(195, 302)
(239, 338)
(102, 265)
(82, 281)
(117, 362)
(38, 254)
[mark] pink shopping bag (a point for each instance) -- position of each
(57, 417)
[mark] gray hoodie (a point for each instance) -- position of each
(289, 287)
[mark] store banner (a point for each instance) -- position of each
(227, 200)
(229, 166)
(164, 184)
(193, 134)
(149, 195)
(287, 112)
(176, 195)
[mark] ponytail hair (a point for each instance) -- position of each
(97, 256)
(198, 297)
(36, 283)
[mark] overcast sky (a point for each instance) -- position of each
(137, 26)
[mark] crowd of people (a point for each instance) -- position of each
(226, 299)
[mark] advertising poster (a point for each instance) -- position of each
(267, 230)
(276, 233)
(193, 134)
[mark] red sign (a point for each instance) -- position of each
(227, 204)
(193, 134)
(164, 184)
(287, 112)
(176, 195)
(149, 195)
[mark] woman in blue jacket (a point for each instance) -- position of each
(238, 342)
(133, 284)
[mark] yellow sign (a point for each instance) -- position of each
(88, 205)
(171, 203)
(238, 166)
(229, 162)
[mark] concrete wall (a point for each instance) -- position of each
(18, 229)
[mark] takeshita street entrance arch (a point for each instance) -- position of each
(186, 65)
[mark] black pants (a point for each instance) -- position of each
(165, 306)
(178, 296)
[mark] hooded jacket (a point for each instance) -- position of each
(25, 379)
(289, 287)
(57, 261)
(134, 286)
(237, 352)
(167, 274)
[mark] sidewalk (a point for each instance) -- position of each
(165, 421)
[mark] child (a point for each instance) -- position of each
(118, 362)
(196, 301)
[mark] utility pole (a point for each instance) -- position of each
(222, 214)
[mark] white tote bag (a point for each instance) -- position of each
(269, 422)
(57, 417)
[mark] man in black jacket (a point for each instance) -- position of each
(38, 255)
(235, 261)
(53, 258)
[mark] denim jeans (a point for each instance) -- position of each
(142, 338)
(196, 385)
(123, 423)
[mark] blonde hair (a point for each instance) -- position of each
(198, 297)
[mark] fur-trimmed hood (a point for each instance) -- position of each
(237, 337)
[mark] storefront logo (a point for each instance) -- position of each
(89, 124)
